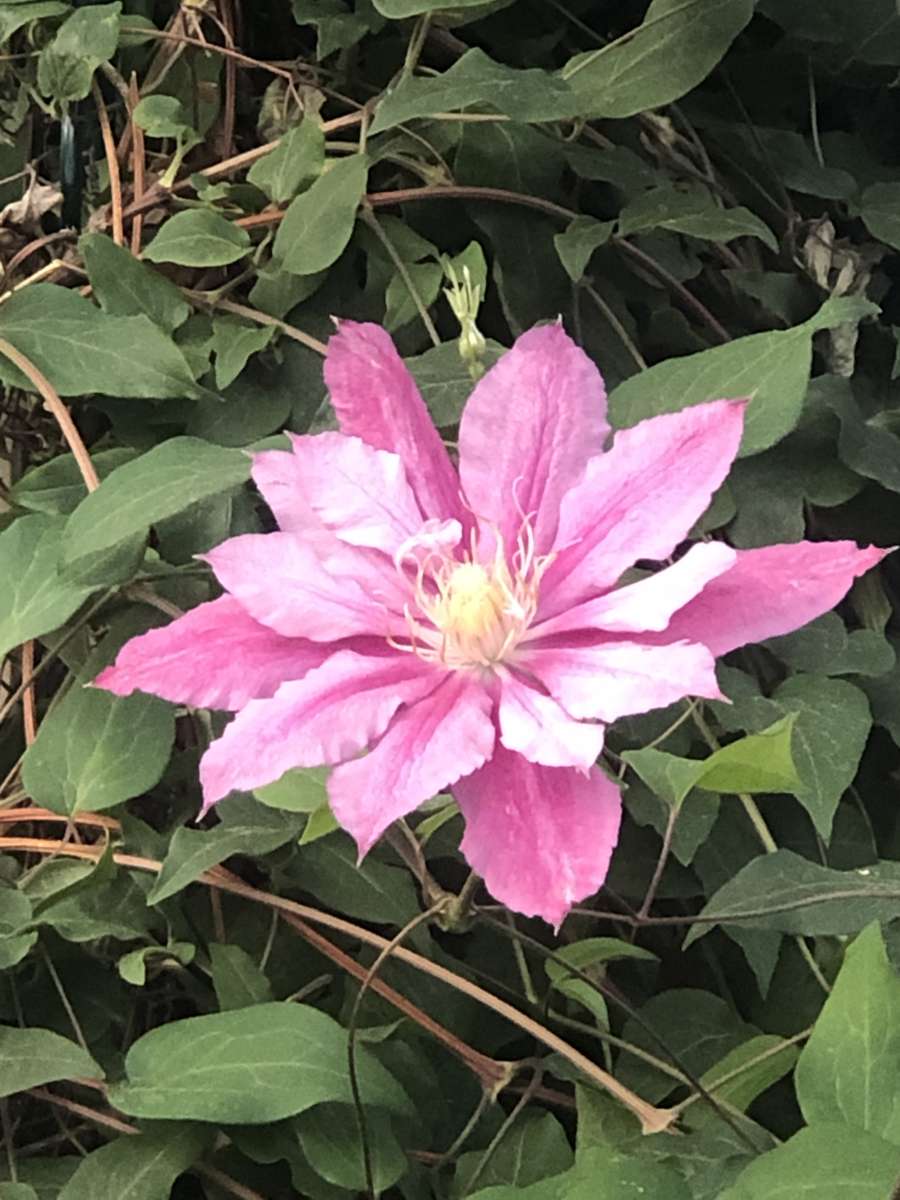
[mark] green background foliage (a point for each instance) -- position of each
(707, 193)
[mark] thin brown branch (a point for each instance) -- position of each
(29, 707)
(112, 165)
(652, 1119)
(137, 163)
(55, 406)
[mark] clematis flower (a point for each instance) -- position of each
(423, 629)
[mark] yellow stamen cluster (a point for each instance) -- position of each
(469, 613)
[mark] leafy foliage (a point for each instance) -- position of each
(706, 193)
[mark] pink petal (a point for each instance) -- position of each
(215, 656)
(527, 432)
(329, 715)
(772, 591)
(376, 399)
(639, 500)
(278, 476)
(358, 493)
(323, 590)
(539, 729)
(540, 837)
(616, 678)
(648, 604)
(428, 746)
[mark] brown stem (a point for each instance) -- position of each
(112, 165)
(54, 405)
(652, 1119)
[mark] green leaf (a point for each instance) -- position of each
(575, 245)
(30, 1057)
(15, 937)
(126, 287)
(141, 1166)
(692, 213)
(248, 1067)
(95, 750)
(370, 890)
(34, 598)
(329, 1135)
(238, 981)
(16, 1191)
(83, 350)
(295, 162)
(397, 10)
(880, 211)
(234, 342)
(602, 1173)
(14, 18)
(533, 1149)
(696, 1027)
(848, 1068)
(772, 369)
(246, 829)
(743, 1074)
(676, 46)
(400, 305)
(162, 117)
(198, 237)
(759, 763)
(302, 790)
(790, 894)
(444, 379)
(522, 95)
(164, 481)
(56, 487)
(825, 1162)
(89, 37)
(587, 953)
(832, 723)
(317, 224)
(337, 28)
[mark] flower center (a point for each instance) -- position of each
(468, 613)
(472, 613)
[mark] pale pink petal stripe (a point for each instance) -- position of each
(359, 493)
(616, 678)
(277, 475)
(527, 431)
(428, 746)
(772, 591)
(321, 589)
(647, 604)
(640, 499)
(539, 729)
(329, 715)
(215, 656)
(540, 837)
(376, 398)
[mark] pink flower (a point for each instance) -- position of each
(468, 630)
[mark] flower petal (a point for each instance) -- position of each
(528, 430)
(640, 499)
(359, 493)
(428, 746)
(540, 837)
(277, 475)
(539, 729)
(329, 715)
(316, 589)
(772, 591)
(376, 398)
(648, 604)
(617, 678)
(215, 656)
